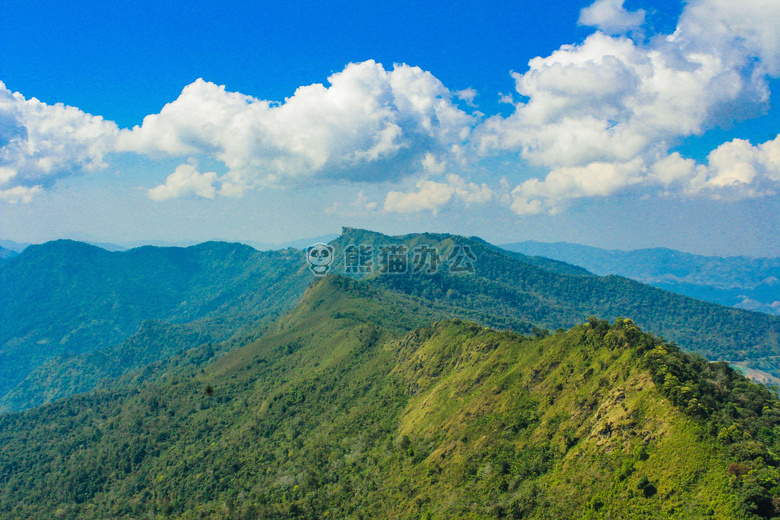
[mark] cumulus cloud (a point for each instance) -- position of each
(432, 195)
(185, 181)
(602, 110)
(40, 143)
(611, 17)
(370, 124)
(600, 117)
(561, 184)
(735, 170)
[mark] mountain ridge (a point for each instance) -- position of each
(742, 282)
(100, 299)
(355, 405)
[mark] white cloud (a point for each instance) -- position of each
(23, 194)
(611, 17)
(735, 170)
(595, 179)
(737, 32)
(369, 125)
(430, 164)
(432, 196)
(612, 101)
(185, 181)
(599, 117)
(40, 143)
(360, 207)
(467, 95)
(470, 193)
(673, 169)
(6, 174)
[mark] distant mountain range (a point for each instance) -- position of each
(6, 253)
(18, 247)
(742, 282)
(72, 314)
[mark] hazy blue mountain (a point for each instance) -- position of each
(67, 298)
(13, 246)
(7, 253)
(742, 282)
(260, 246)
(108, 246)
(306, 242)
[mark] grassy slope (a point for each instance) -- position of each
(339, 412)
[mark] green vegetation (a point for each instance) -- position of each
(364, 403)
(72, 315)
(66, 298)
(66, 375)
(504, 285)
(747, 283)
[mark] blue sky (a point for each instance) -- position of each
(613, 124)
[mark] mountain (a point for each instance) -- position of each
(552, 294)
(68, 374)
(362, 403)
(6, 253)
(65, 298)
(17, 247)
(300, 243)
(108, 246)
(742, 282)
(73, 316)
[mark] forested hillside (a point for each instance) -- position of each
(65, 298)
(73, 316)
(554, 297)
(743, 282)
(359, 404)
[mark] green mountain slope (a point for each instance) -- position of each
(510, 286)
(747, 283)
(66, 308)
(347, 408)
(63, 376)
(64, 298)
